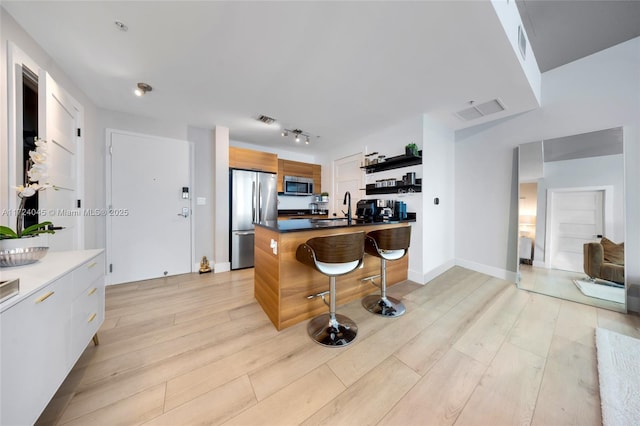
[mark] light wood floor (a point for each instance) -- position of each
(471, 349)
(557, 283)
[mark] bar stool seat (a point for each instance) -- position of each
(388, 245)
(333, 256)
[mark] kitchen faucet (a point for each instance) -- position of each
(347, 201)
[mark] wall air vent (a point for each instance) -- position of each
(480, 110)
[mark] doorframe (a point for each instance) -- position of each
(17, 58)
(107, 154)
(354, 197)
(607, 214)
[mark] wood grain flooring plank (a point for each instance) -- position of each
(484, 337)
(134, 410)
(507, 392)
(569, 393)
(423, 351)
(577, 322)
(370, 398)
(295, 402)
(358, 359)
(439, 396)
(187, 386)
(536, 324)
(214, 407)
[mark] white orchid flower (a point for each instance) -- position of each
(37, 173)
(25, 192)
(37, 157)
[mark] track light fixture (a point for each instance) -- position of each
(142, 89)
(297, 134)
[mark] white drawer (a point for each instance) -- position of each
(87, 273)
(87, 315)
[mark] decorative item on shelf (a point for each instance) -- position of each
(368, 159)
(36, 179)
(411, 150)
(204, 265)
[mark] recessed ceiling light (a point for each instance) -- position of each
(121, 25)
(142, 89)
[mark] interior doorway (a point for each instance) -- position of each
(576, 217)
(29, 133)
(347, 176)
(149, 232)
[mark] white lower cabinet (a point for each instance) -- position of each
(42, 337)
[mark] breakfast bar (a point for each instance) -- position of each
(282, 284)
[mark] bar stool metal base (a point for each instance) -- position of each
(384, 306)
(326, 332)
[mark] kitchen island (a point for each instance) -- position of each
(282, 284)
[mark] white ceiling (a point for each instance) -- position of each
(340, 70)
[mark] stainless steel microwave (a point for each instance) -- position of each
(294, 185)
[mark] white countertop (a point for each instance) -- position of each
(48, 269)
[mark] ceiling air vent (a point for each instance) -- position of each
(480, 110)
(266, 119)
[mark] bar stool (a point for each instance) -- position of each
(333, 256)
(387, 244)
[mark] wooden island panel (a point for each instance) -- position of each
(282, 284)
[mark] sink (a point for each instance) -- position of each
(335, 221)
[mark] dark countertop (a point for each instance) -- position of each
(295, 225)
(301, 212)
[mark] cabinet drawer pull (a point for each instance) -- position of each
(93, 290)
(45, 296)
(92, 317)
(91, 265)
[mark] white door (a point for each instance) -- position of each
(62, 130)
(149, 218)
(576, 219)
(347, 176)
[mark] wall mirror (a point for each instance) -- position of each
(571, 227)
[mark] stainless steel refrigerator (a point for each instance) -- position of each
(254, 199)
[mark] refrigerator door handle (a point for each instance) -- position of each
(259, 202)
(243, 233)
(253, 201)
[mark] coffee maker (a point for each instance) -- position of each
(368, 211)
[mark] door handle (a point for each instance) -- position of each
(185, 212)
(245, 233)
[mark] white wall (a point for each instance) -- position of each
(593, 93)
(438, 182)
(431, 250)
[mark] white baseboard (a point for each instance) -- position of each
(539, 264)
(503, 274)
(222, 267)
(421, 278)
(633, 304)
(438, 270)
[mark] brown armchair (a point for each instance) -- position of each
(604, 260)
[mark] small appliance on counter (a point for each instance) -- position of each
(368, 210)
